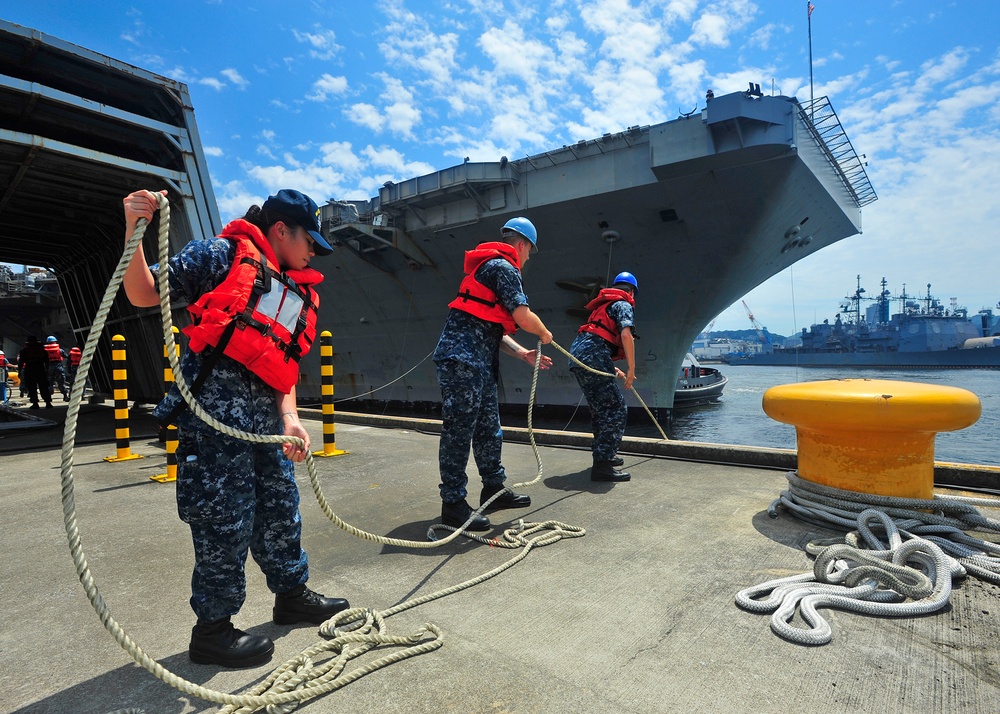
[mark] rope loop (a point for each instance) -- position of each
(901, 559)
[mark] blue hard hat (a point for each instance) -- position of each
(50, 339)
(626, 278)
(524, 227)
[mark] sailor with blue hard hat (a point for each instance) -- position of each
(608, 335)
(489, 308)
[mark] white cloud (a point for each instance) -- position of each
(212, 82)
(365, 115)
(235, 77)
(327, 85)
(340, 155)
(323, 44)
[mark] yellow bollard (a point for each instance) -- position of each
(870, 436)
(121, 402)
(326, 370)
(171, 442)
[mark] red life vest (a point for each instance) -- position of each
(477, 299)
(3, 360)
(53, 351)
(601, 324)
(270, 316)
(75, 355)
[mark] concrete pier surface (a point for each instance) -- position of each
(636, 616)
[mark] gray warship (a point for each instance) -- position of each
(924, 334)
(701, 208)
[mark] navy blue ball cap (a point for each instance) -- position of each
(301, 210)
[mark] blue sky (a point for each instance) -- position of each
(335, 98)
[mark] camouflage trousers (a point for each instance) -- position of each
(57, 378)
(608, 413)
(236, 498)
(470, 414)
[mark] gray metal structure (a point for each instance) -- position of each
(78, 132)
(702, 209)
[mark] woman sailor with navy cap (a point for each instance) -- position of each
(239, 497)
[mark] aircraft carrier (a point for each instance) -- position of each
(701, 209)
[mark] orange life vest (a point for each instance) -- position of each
(262, 318)
(601, 324)
(477, 299)
(75, 355)
(53, 351)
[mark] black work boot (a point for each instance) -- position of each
(618, 461)
(456, 514)
(509, 499)
(303, 605)
(604, 471)
(220, 643)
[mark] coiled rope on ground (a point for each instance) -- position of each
(354, 631)
(860, 573)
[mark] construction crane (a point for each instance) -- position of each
(756, 325)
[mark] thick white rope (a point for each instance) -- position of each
(298, 679)
(859, 573)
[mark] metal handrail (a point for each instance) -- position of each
(820, 118)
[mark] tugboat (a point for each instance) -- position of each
(697, 384)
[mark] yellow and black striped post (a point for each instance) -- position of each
(121, 402)
(171, 443)
(326, 370)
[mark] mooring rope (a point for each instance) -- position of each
(862, 574)
(299, 679)
(613, 376)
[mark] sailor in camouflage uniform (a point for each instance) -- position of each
(239, 497)
(490, 306)
(608, 335)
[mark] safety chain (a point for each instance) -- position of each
(860, 572)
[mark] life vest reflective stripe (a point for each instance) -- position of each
(600, 323)
(274, 315)
(75, 355)
(477, 299)
(53, 351)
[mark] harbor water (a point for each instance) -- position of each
(739, 418)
